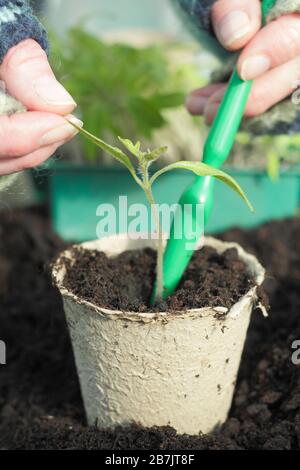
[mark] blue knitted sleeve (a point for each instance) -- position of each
(198, 11)
(17, 22)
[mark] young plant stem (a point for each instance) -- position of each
(147, 187)
(160, 245)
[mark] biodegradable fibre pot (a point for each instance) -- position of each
(157, 369)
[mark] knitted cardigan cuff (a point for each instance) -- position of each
(17, 23)
(198, 11)
(283, 118)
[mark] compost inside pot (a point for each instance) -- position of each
(125, 282)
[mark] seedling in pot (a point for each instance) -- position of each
(141, 175)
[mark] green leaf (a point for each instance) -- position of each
(147, 116)
(113, 151)
(201, 169)
(153, 155)
(169, 100)
(135, 149)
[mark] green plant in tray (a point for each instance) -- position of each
(121, 89)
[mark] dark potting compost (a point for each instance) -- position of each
(125, 282)
(40, 402)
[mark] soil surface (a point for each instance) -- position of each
(40, 402)
(125, 282)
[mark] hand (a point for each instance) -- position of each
(29, 138)
(270, 57)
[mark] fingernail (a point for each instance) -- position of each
(255, 66)
(61, 133)
(234, 26)
(196, 104)
(52, 92)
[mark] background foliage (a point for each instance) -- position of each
(121, 89)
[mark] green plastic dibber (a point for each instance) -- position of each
(217, 148)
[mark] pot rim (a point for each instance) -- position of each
(258, 272)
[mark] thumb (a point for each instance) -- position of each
(28, 77)
(236, 21)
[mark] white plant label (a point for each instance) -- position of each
(2, 353)
(296, 354)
